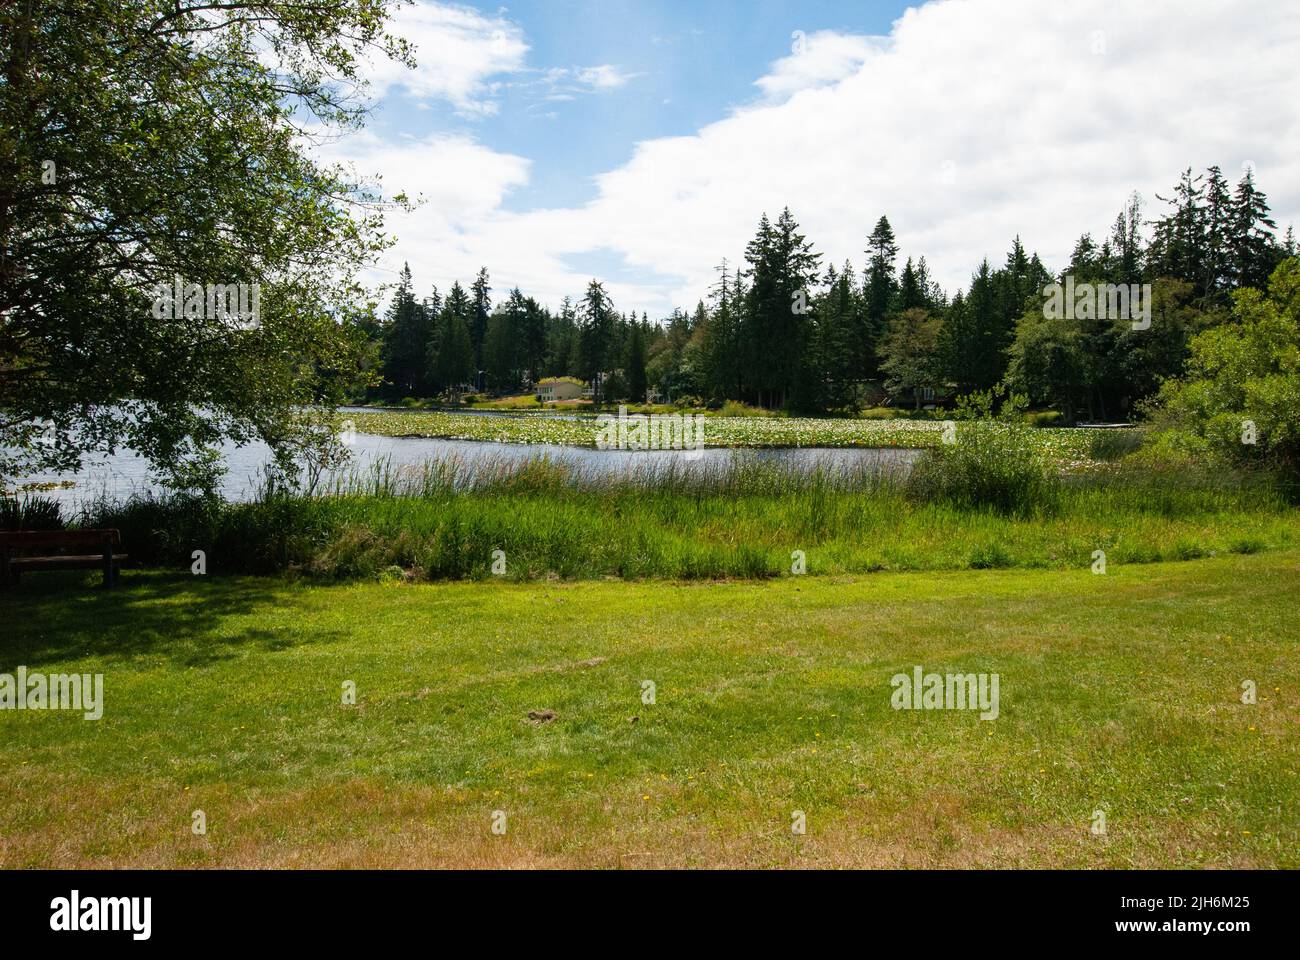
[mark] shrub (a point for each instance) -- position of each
(1242, 388)
(993, 463)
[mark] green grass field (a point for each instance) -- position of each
(1119, 693)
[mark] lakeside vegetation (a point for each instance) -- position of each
(1001, 494)
(1119, 693)
(719, 431)
(740, 519)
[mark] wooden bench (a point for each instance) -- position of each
(32, 550)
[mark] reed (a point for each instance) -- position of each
(741, 518)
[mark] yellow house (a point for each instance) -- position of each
(551, 389)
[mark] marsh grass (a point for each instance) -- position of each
(740, 518)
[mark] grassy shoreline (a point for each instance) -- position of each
(744, 520)
(1119, 692)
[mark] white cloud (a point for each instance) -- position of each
(974, 121)
(457, 51)
(816, 59)
(460, 52)
(603, 77)
(458, 180)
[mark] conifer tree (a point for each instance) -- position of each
(1217, 268)
(1252, 244)
(478, 317)
(453, 365)
(879, 290)
(636, 376)
(405, 339)
(596, 332)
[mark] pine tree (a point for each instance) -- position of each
(954, 334)
(783, 268)
(406, 337)
(878, 292)
(758, 307)
(1126, 241)
(536, 321)
(836, 370)
(721, 345)
(977, 338)
(636, 376)
(561, 339)
(935, 299)
(478, 317)
(503, 346)
(1178, 246)
(453, 365)
(1016, 287)
(1253, 247)
(1217, 271)
(912, 294)
(595, 335)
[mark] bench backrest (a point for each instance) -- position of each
(44, 539)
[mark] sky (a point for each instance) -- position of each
(639, 143)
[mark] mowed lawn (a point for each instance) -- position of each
(1119, 693)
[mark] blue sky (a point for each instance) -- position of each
(686, 63)
(558, 140)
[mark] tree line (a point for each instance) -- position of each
(782, 331)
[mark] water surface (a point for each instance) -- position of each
(125, 473)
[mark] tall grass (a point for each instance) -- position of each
(29, 512)
(738, 518)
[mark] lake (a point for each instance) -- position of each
(125, 473)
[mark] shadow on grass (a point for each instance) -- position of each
(182, 618)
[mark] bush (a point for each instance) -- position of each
(1242, 389)
(993, 464)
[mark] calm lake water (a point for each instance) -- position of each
(126, 473)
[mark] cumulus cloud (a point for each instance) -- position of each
(973, 121)
(457, 50)
(817, 59)
(456, 180)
